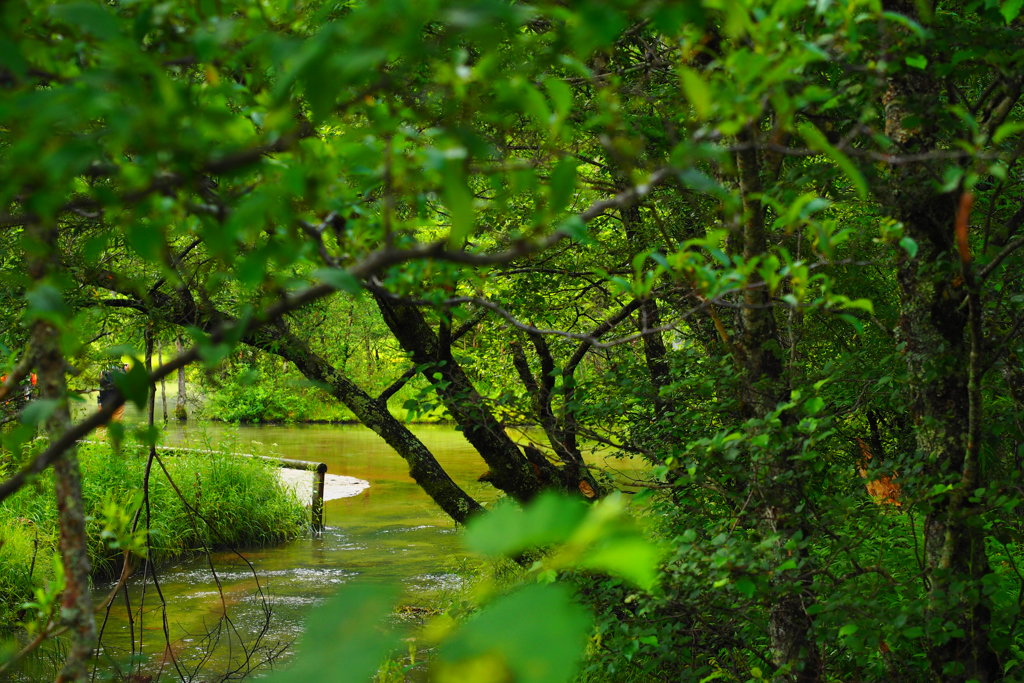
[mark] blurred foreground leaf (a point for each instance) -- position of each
(535, 634)
(509, 529)
(346, 639)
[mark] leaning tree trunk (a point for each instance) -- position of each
(511, 471)
(76, 603)
(278, 340)
(942, 338)
(423, 467)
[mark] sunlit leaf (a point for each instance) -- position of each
(631, 557)
(509, 529)
(535, 634)
(562, 183)
(697, 92)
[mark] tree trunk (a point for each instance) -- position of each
(423, 467)
(163, 384)
(510, 470)
(937, 330)
(76, 602)
(179, 404)
(561, 433)
(653, 342)
(765, 386)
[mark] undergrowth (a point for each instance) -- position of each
(225, 501)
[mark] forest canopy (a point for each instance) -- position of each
(772, 249)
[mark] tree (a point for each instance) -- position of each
(685, 231)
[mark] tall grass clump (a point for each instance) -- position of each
(221, 501)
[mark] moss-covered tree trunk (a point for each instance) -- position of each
(937, 307)
(764, 388)
(180, 412)
(510, 470)
(76, 611)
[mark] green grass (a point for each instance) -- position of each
(228, 502)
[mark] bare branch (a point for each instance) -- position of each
(1013, 246)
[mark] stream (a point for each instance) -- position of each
(391, 532)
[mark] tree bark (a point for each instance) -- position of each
(510, 470)
(653, 342)
(180, 413)
(163, 384)
(574, 474)
(793, 644)
(423, 467)
(937, 331)
(76, 601)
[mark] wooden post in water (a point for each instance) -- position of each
(317, 508)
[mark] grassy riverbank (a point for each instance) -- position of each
(203, 500)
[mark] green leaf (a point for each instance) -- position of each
(46, 302)
(848, 630)
(560, 94)
(134, 384)
(535, 634)
(786, 566)
(340, 279)
(697, 92)
(1010, 9)
(853, 322)
(90, 17)
(1008, 129)
(575, 229)
(861, 304)
(509, 529)
(818, 142)
(346, 639)
(209, 352)
(534, 104)
(251, 268)
(813, 406)
(459, 200)
(908, 23)
(562, 184)
(909, 246)
(633, 558)
(745, 587)
(147, 241)
(39, 411)
(913, 632)
(916, 61)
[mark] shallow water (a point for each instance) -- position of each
(391, 532)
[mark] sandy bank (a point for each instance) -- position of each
(335, 485)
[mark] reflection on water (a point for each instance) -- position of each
(391, 532)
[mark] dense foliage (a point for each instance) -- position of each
(772, 248)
